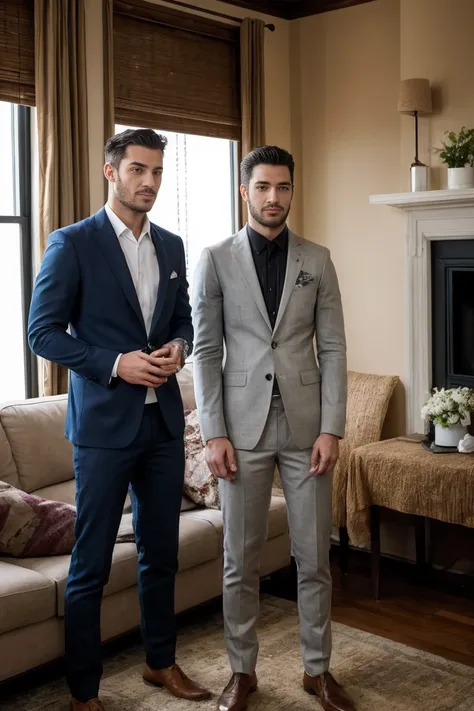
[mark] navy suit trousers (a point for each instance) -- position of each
(151, 468)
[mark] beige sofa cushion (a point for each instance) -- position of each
(65, 492)
(277, 518)
(26, 597)
(186, 385)
(39, 455)
(123, 573)
(198, 543)
(35, 431)
(8, 472)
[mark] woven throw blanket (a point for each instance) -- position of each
(405, 477)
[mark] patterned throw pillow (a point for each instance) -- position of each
(31, 526)
(200, 484)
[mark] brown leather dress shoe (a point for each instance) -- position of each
(330, 693)
(91, 705)
(236, 693)
(175, 680)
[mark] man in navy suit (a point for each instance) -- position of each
(118, 283)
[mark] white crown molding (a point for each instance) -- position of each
(430, 216)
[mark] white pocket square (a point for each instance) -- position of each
(173, 275)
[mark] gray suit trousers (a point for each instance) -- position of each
(245, 504)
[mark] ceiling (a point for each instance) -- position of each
(293, 9)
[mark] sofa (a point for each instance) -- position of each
(36, 457)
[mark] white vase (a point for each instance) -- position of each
(449, 436)
(459, 178)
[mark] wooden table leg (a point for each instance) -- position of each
(343, 551)
(422, 545)
(375, 549)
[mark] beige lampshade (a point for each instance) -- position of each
(415, 95)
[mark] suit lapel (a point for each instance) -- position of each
(243, 257)
(163, 264)
(110, 247)
(294, 265)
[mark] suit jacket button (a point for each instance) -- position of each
(274, 345)
(268, 376)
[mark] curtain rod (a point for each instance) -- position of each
(269, 26)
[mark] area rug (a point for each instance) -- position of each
(380, 674)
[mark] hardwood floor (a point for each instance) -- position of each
(420, 616)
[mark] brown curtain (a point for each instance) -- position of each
(61, 101)
(109, 97)
(252, 87)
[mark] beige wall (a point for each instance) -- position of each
(350, 134)
(354, 143)
(277, 88)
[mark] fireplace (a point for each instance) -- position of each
(439, 237)
(452, 298)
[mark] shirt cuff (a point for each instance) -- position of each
(115, 368)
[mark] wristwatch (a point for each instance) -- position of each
(185, 346)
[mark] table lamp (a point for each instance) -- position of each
(415, 99)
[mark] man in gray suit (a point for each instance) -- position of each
(266, 294)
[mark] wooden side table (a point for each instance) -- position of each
(401, 475)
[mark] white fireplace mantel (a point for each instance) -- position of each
(431, 215)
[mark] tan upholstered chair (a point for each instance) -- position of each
(368, 398)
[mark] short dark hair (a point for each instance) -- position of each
(266, 155)
(117, 145)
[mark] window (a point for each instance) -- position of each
(197, 199)
(17, 365)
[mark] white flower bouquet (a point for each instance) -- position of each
(451, 407)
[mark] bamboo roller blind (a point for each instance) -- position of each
(175, 71)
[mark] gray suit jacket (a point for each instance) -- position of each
(233, 384)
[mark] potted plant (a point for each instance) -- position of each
(458, 153)
(450, 410)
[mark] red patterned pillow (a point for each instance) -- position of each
(200, 484)
(31, 526)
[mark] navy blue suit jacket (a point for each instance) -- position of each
(84, 283)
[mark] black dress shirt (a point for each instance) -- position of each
(270, 258)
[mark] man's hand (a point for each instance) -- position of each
(220, 458)
(170, 357)
(325, 454)
(167, 359)
(139, 368)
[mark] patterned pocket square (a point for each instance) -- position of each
(173, 275)
(303, 279)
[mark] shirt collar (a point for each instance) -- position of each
(259, 242)
(120, 227)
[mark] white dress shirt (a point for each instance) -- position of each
(142, 262)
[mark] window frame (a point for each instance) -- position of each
(22, 171)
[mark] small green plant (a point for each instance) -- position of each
(458, 150)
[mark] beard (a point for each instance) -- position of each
(126, 198)
(265, 220)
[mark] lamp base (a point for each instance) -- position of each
(418, 178)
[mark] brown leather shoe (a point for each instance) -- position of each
(330, 693)
(236, 693)
(91, 705)
(175, 680)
